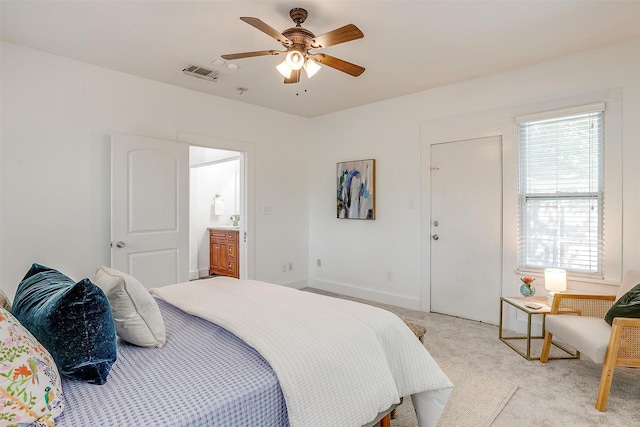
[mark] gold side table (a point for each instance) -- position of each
(520, 304)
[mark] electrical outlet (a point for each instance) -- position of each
(319, 262)
(290, 266)
(389, 275)
(284, 267)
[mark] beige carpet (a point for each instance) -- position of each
(560, 393)
(476, 400)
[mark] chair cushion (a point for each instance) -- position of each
(627, 306)
(588, 335)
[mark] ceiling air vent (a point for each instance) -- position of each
(201, 73)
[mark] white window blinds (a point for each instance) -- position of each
(561, 192)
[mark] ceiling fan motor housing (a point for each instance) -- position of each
(301, 37)
(298, 15)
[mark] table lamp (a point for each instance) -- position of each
(555, 280)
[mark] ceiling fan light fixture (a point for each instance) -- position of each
(284, 69)
(297, 42)
(295, 59)
(311, 67)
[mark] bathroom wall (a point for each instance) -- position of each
(210, 176)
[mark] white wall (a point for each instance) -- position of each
(390, 132)
(54, 173)
(55, 170)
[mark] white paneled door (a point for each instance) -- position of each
(466, 228)
(150, 209)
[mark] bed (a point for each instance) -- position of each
(203, 376)
(250, 353)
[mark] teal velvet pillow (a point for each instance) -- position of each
(627, 306)
(73, 321)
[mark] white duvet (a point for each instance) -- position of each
(339, 363)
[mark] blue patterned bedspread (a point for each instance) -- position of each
(204, 376)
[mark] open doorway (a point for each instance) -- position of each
(215, 203)
(150, 196)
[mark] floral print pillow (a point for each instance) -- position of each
(30, 387)
(4, 301)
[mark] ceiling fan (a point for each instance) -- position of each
(298, 42)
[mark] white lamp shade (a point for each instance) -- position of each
(555, 279)
(284, 69)
(311, 67)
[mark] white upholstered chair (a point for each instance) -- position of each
(578, 320)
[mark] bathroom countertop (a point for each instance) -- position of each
(225, 228)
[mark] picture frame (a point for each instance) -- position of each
(356, 184)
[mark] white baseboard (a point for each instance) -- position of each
(368, 294)
(196, 274)
(297, 285)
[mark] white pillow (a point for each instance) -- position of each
(135, 313)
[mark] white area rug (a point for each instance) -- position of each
(476, 401)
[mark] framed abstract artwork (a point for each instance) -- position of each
(356, 183)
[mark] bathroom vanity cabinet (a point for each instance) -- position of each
(223, 255)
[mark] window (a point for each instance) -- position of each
(561, 191)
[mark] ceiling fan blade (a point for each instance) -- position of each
(339, 64)
(294, 78)
(341, 35)
(268, 30)
(250, 54)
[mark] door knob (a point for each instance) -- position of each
(120, 244)
(435, 237)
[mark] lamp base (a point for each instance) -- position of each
(550, 297)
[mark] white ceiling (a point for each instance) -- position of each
(408, 46)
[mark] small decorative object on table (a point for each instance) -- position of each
(527, 289)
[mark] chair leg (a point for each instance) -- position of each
(546, 347)
(609, 366)
(605, 384)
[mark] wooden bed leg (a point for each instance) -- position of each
(394, 414)
(386, 421)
